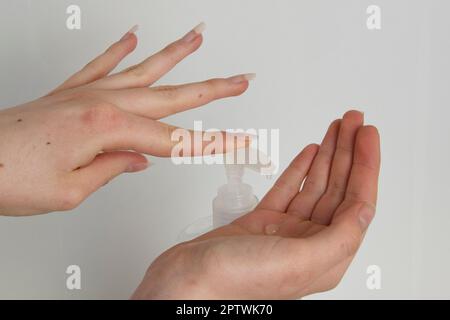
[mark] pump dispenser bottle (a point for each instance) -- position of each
(233, 199)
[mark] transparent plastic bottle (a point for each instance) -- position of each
(233, 200)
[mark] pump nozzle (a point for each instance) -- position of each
(236, 198)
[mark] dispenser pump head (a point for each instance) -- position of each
(236, 198)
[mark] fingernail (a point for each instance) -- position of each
(127, 35)
(135, 167)
(271, 229)
(242, 78)
(366, 214)
(194, 33)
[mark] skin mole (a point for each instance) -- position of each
(48, 142)
(19, 120)
(200, 95)
(1, 165)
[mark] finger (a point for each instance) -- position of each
(115, 129)
(316, 182)
(363, 181)
(343, 237)
(103, 64)
(336, 245)
(160, 102)
(100, 171)
(362, 189)
(288, 184)
(340, 168)
(154, 67)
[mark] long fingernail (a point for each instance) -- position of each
(194, 33)
(366, 214)
(134, 167)
(242, 78)
(129, 33)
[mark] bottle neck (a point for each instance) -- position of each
(234, 173)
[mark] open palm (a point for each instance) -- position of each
(301, 237)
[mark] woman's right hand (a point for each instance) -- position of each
(57, 150)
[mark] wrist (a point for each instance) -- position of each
(172, 276)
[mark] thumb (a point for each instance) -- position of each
(105, 167)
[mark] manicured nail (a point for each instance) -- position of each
(194, 33)
(134, 167)
(366, 214)
(127, 35)
(271, 229)
(242, 78)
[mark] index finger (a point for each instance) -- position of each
(162, 140)
(288, 184)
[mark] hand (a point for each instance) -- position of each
(295, 242)
(58, 149)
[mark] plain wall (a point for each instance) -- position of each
(314, 60)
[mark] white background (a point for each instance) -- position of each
(314, 60)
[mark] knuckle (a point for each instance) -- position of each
(79, 95)
(140, 75)
(69, 198)
(90, 65)
(353, 195)
(285, 186)
(168, 92)
(336, 189)
(96, 69)
(350, 245)
(171, 130)
(172, 51)
(314, 186)
(102, 115)
(212, 86)
(113, 52)
(210, 89)
(344, 149)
